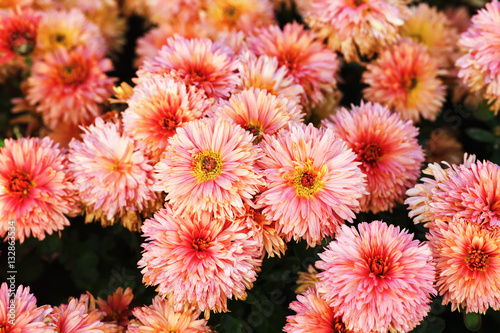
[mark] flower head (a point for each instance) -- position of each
(112, 175)
(387, 148)
(209, 165)
(116, 306)
(36, 191)
(378, 278)
(313, 183)
(19, 30)
(200, 260)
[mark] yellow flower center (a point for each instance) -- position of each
(207, 165)
(256, 130)
(200, 244)
(306, 181)
(477, 260)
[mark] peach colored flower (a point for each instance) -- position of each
(116, 307)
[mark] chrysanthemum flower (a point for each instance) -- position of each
(306, 280)
(159, 106)
(357, 28)
(19, 30)
(68, 29)
(209, 165)
(387, 148)
(35, 188)
(171, 11)
(198, 62)
(467, 260)
(160, 316)
(311, 64)
(112, 175)
(27, 317)
(258, 111)
(405, 78)
(420, 197)
(200, 260)
(264, 72)
(244, 15)
(443, 146)
(432, 28)
(313, 315)
(313, 182)
(480, 67)
(472, 193)
(116, 306)
(70, 87)
(379, 279)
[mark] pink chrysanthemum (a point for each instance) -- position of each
(209, 165)
(405, 78)
(313, 182)
(25, 316)
(311, 64)
(199, 259)
(379, 278)
(480, 67)
(116, 307)
(160, 316)
(467, 260)
(264, 72)
(157, 107)
(471, 193)
(19, 29)
(387, 148)
(357, 28)
(313, 315)
(35, 188)
(258, 111)
(70, 87)
(199, 62)
(112, 175)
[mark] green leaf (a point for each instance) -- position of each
(484, 112)
(480, 135)
(229, 324)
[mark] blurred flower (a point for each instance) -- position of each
(264, 72)
(306, 279)
(112, 175)
(70, 86)
(357, 28)
(258, 112)
(387, 148)
(443, 146)
(160, 316)
(122, 93)
(19, 30)
(157, 107)
(35, 188)
(379, 279)
(405, 78)
(209, 165)
(310, 63)
(313, 315)
(117, 306)
(27, 317)
(198, 62)
(173, 11)
(480, 66)
(467, 260)
(200, 260)
(313, 183)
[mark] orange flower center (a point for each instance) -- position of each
(256, 130)
(308, 179)
(20, 183)
(168, 123)
(338, 325)
(75, 72)
(207, 165)
(477, 260)
(201, 244)
(370, 153)
(5, 328)
(409, 83)
(357, 3)
(22, 42)
(379, 265)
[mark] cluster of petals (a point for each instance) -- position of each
(313, 183)
(158, 106)
(199, 259)
(479, 68)
(113, 177)
(117, 306)
(25, 316)
(209, 165)
(405, 79)
(387, 148)
(378, 279)
(70, 87)
(160, 316)
(357, 28)
(199, 62)
(467, 257)
(311, 64)
(36, 190)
